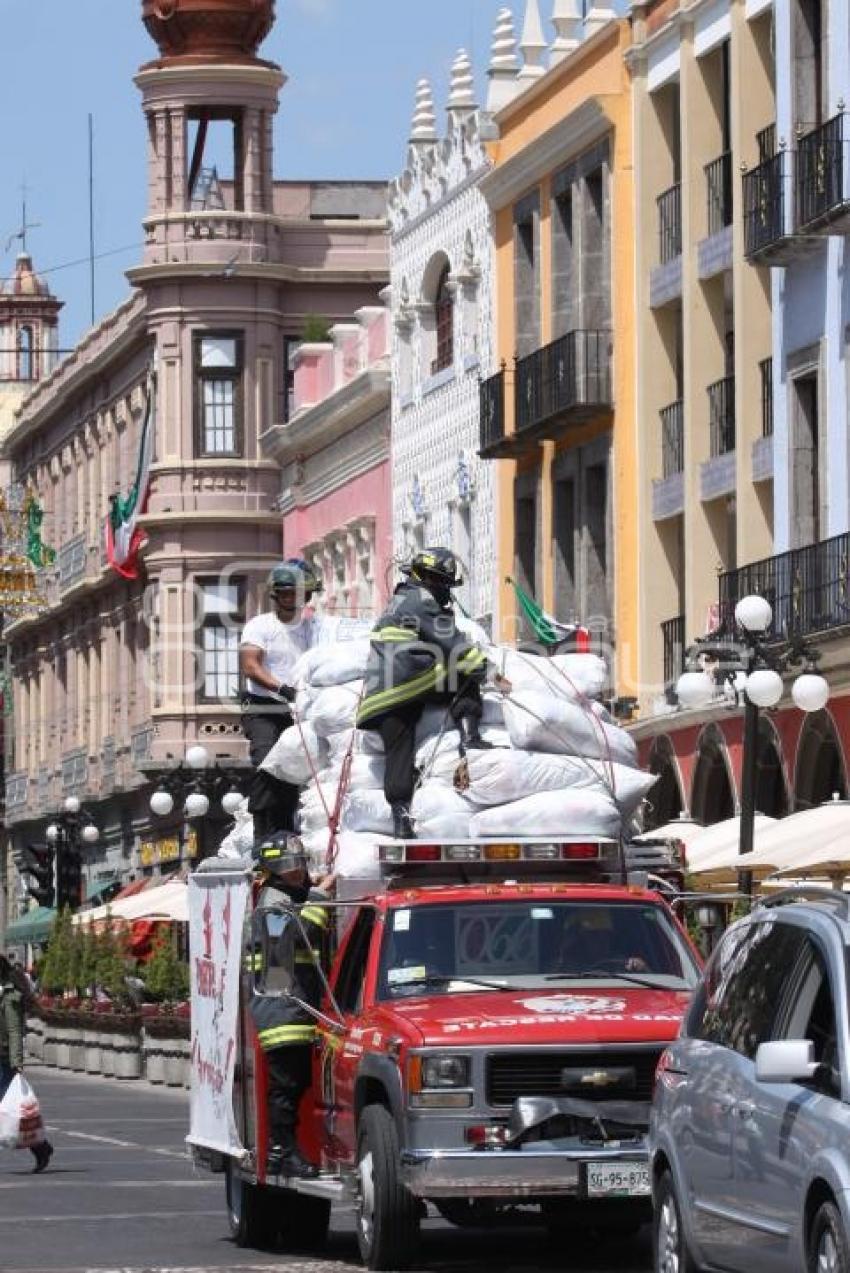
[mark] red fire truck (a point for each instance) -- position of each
(488, 1041)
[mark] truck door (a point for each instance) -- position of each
(340, 1051)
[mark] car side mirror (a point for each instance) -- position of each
(786, 1061)
(274, 970)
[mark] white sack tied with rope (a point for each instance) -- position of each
(334, 708)
(570, 676)
(332, 664)
(296, 755)
(565, 813)
(441, 812)
(500, 777)
(538, 721)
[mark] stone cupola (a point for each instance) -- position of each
(205, 29)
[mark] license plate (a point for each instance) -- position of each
(616, 1180)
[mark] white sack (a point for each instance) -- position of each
(439, 757)
(366, 810)
(435, 798)
(539, 721)
(296, 754)
(444, 826)
(332, 664)
(361, 741)
(239, 841)
(550, 813)
(335, 708)
(569, 676)
(364, 771)
(499, 777)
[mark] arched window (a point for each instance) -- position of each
(712, 799)
(25, 355)
(820, 763)
(444, 323)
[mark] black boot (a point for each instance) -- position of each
(42, 1154)
(475, 742)
(293, 1165)
(402, 822)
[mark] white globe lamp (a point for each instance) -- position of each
(72, 804)
(694, 690)
(90, 834)
(231, 801)
(810, 692)
(197, 757)
(753, 614)
(161, 803)
(197, 805)
(764, 687)
(52, 833)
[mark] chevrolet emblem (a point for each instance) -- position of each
(599, 1078)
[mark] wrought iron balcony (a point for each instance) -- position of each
(820, 175)
(718, 178)
(670, 224)
(808, 588)
(563, 383)
(672, 439)
(673, 642)
(721, 416)
(492, 440)
(765, 235)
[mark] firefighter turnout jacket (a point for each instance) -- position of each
(279, 1021)
(416, 652)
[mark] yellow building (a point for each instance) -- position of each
(559, 418)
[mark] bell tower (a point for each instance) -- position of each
(209, 102)
(29, 335)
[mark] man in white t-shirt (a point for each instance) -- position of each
(270, 646)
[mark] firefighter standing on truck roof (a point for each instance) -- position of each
(418, 656)
(286, 1030)
(270, 646)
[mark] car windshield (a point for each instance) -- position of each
(449, 949)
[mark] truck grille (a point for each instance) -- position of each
(514, 1074)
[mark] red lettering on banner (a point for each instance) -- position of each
(206, 979)
(208, 1069)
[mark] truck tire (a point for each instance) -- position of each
(247, 1211)
(387, 1214)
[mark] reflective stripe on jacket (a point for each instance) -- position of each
(416, 652)
(279, 1021)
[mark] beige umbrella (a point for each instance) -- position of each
(683, 829)
(722, 839)
(783, 844)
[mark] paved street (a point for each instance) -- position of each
(121, 1194)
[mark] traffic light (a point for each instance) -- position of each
(36, 860)
(69, 877)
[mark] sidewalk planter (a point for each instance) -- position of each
(92, 1039)
(35, 1036)
(91, 1042)
(167, 1047)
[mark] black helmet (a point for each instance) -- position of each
(294, 573)
(280, 854)
(435, 566)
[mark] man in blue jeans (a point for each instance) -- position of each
(12, 1025)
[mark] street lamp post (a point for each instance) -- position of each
(69, 830)
(197, 782)
(753, 667)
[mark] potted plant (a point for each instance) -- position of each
(166, 1020)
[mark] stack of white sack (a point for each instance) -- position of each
(559, 764)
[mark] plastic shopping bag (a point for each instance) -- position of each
(21, 1125)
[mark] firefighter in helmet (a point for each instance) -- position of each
(418, 656)
(286, 1029)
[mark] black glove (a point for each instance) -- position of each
(287, 693)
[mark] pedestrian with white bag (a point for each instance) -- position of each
(21, 1125)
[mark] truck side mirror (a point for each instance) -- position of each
(274, 971)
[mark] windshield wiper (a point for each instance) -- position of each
(442, 979)
(607, 974)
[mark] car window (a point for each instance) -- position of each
(348, 990)
(808, 1010)
(744, 985)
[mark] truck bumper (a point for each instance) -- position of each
(543, 1173)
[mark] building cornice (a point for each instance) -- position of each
(207, 517)
(318, 426)
(468, 183)
(373, 452)
(587, 124)
(171, 271)
(545, 85)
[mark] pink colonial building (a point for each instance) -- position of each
(118, 676)
(334, 451)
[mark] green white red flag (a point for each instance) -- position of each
(124, 536)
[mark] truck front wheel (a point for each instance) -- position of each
(387, 1214)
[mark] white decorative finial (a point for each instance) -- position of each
(598, 16)
(462, 88)
(566, 19)
(504, 63)
(424, 127)
(532, 45)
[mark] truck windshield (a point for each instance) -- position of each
(445, 949)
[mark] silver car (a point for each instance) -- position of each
(750, 1131)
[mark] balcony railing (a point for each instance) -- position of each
(820, 171)
(673, 642)
(672, 439)
(766, 373)
(721, 416)
(670, 224)
(764, 204)
(718, 178)
(808, 588)
(565, 381)
(492, 413)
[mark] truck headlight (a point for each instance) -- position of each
(445, 1071)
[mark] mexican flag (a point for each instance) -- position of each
(124, 537)
(547, 629)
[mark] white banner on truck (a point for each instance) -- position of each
(216, 916)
